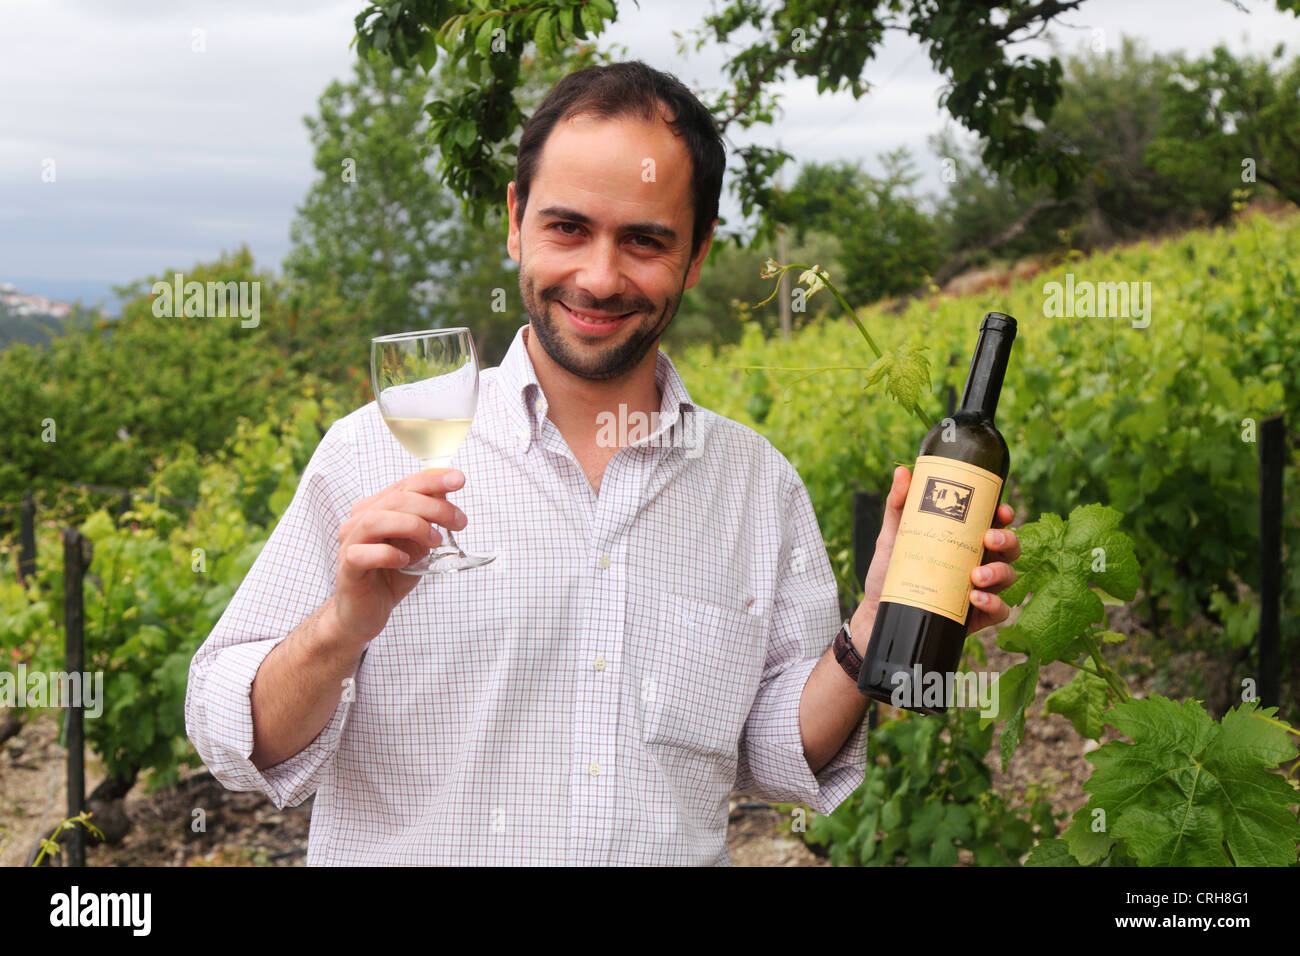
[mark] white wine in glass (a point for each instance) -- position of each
(426, 386)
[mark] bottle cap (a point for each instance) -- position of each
(999, 322)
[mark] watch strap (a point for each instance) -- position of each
(845, 652)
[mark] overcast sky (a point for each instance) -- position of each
(165, 157)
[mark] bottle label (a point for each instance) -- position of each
(950, 504)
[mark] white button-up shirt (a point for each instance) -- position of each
(591, 697)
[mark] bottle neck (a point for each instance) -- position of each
(987, 369)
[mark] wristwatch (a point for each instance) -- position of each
(845, 653)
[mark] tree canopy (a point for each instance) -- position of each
(1002, 95)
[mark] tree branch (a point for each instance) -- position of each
(1043, 11)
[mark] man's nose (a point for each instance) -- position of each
(601, 275)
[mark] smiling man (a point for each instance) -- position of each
(618, 216)
(661, 624)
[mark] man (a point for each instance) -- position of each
(655, 630)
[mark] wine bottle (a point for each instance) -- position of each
(920, 626)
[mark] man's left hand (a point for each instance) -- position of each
(1003, 547)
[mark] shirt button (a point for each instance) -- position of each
(599, 663)
(594, 769)
(604, 561)
(523, 433)
(537, 406)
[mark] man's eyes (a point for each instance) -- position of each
(648, 243)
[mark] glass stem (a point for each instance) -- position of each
(449, 544)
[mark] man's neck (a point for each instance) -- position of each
(574, 403)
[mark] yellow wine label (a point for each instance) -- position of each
(950, 504)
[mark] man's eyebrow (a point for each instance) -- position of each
(648, 228)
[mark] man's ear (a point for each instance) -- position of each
(693, 274)
(512, 236)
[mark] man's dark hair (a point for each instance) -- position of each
(631, 88)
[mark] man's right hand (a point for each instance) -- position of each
(387, 531)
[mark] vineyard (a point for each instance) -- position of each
(1140, 440)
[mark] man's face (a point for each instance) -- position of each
(607, 232)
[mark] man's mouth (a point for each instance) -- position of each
(596, 318)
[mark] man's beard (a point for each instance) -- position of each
(599, 363)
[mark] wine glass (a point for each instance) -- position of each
(426, 386)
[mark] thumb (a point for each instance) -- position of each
(894, 502)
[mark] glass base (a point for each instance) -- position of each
(448, 556)
(446, 559)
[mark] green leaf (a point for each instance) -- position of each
(1108, 599)
(466, 133)
(543, 35)
(1038, 541)
(955, 826)
(1059, 564)
(1081, 702)
(905, 372)
(1260, 826)
(866, 835)
(1013, 691)
(428, 56)
(449, 32)
(1091, 531)
(1051, 853)
(1013, 730)
(975, 647)
(924, 823)
(891, 814)
(1190, 792)
(483, 41)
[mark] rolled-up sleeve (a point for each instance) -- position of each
(292, 576)
(805, 617)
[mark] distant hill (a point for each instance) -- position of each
(33, 319)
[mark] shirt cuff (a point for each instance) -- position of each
(226, 730)
(776, 760)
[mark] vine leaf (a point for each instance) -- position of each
(1188, 791)
(1012, 692)
(905, 371)
(1058, 561)
(1051, 853)
(1080, 702)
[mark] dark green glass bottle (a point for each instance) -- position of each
(925, 608)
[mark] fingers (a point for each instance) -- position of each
(993, 577)
(989, 610)
(1004, 515)
(430, 482)
(1002, 542)
(431, 509)
(357, 559)
(989, 579)
(420, 509)
(380, 524)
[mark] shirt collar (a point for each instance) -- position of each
(527, 404)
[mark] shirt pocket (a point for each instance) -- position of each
(699, 670)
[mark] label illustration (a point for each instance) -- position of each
(950, 504)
